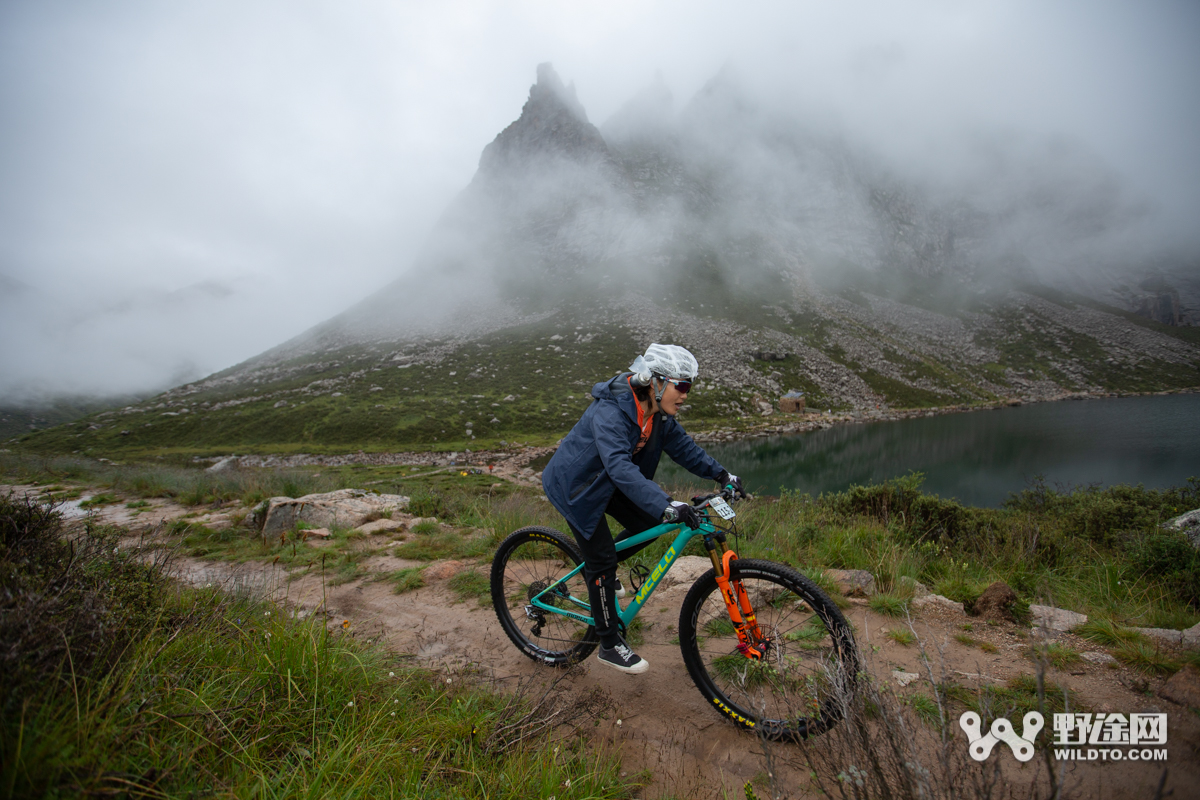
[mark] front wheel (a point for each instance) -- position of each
(527, 563)
(804, 681)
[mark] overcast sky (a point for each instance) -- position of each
(183, 185)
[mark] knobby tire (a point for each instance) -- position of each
(806, 681)
(528, 561)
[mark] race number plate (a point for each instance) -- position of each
(722, 508)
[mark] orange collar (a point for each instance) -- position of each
(645, 424)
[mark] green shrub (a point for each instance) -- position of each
(1169, 558)
(428, 504)
(1103, 514)
(77, 601)
(899, 503)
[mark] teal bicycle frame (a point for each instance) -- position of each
(630, 611)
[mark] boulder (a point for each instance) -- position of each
(1056, 619)
(936, 600)
(1161, 634)
(1191, 637)
(345, 508)
(1183, 687)
(1187, 524)
(853, 582)
(917, 588)
(996, 603)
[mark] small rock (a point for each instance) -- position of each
(853, 582)
(918, 589)
(415, 521)
(381, 526)
(996, 603)
(1188, 524)
(1098, 657)
(1161, 634)
(1183, 687)
(443, 571)
(316, 533)
(1056, 619)
(1191, 637)
(938, 600)
(903, 679)
(223, 464)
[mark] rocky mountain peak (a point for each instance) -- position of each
(648, 115)
(552, 123)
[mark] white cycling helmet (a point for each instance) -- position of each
(664, 361)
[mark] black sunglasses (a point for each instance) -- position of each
(682, 386)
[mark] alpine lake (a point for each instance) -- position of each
(981, 457)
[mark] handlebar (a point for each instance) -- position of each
(727, 494)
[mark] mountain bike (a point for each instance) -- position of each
(761, 642)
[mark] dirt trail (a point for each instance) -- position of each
(665, 727)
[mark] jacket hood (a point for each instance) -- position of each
(616, 390)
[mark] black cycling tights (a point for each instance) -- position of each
(600, 562)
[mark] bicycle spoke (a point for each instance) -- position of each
(527, 565)
(799, 683)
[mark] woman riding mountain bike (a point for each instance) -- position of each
(606, 465)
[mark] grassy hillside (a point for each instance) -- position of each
(528, 383)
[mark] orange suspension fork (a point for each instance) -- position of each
(751, 642)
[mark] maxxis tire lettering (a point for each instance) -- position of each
(820, 604)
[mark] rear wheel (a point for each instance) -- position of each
(527, 562)
(805, 680)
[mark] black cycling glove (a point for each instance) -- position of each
(728, 479)
(682, 512)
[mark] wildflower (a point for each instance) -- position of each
(266, 613)
(345, 624)
(618, 723)
(448, 680)
(395, 702)
(391, 674)
(393, 713)
(350, 704)
(567, 783)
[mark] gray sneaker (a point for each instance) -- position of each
(623, 658)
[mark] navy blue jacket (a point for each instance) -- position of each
(596, 458)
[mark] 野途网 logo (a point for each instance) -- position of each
(981, 744)
(1127, 737)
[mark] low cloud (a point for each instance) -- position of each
(182, 187)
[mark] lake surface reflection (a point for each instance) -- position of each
(981, 457)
